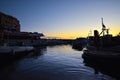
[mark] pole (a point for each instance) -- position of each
(103, 27)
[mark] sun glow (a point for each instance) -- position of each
(115, 31)
(68, 35)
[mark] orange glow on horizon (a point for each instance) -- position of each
(115, 31)
(68, 35)
(82, 33)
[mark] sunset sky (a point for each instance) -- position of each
(64, 18)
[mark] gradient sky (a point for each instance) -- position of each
(64, 18)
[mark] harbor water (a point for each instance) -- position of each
(51, 63)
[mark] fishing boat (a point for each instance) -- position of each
(103, 49)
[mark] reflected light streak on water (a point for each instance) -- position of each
(51, 63)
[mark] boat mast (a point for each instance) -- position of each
(103, 27)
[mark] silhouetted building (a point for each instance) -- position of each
(26, 35)
(9, 23)
(10, 29)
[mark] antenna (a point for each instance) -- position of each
(102, 20)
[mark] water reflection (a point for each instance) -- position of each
(8, 60)
(51, 63)
(111, 69)
(39, 51)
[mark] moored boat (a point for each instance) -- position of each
(14, 50)
(102, 49)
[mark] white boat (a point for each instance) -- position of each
(14, 50)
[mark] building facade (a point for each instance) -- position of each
(9, 23)
(10, 29)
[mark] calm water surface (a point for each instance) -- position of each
(51, 63)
